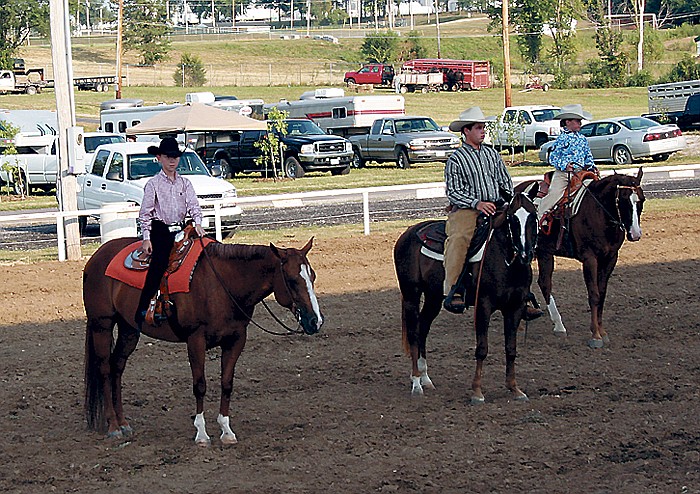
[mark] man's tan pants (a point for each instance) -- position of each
(460, 227)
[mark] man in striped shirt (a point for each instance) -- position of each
(475, 178)
(168, 198)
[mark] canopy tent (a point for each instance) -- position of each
(196, 117)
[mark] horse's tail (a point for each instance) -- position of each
(404, 330)
(401, 261)
(94, 393)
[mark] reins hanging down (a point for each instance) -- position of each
(298, 330)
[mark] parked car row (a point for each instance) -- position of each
(623, 139)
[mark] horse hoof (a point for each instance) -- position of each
(606, 339)
(427, 384)
(229, 439)
(117, 434)
(477, 400)
(126, 430)
(203, 443)
(592, 343)
(522, 398)
(560, 332)
(417, 392)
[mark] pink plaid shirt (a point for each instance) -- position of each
(168, 201)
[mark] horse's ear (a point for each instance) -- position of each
(275, 251)
(532, 192)
(639, 174)
(305, 250)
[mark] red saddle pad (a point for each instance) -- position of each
(179, 281)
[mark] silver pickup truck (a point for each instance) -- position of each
(404, 140)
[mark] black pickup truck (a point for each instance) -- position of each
(687, 119)
(306, 148)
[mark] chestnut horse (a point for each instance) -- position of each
(609, 211)
(504, 285)
(226, 285)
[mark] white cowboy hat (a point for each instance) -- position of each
(574, 112)
(470, 116)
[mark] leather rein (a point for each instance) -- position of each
(267, 307)
(616, 221)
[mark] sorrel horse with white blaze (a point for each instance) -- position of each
(504, 285)
(609, 211)
(226, 285)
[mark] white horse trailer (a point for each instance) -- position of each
(117, 120)
(342, 115)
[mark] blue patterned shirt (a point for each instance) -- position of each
(571, 147)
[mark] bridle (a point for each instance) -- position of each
(636, 189)
(294, 307)
(616, 221)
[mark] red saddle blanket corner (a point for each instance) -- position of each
(178, 282)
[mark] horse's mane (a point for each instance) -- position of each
(238, 251)
(612, 181)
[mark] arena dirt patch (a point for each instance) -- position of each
(333, 413)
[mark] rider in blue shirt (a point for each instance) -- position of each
(569, 153)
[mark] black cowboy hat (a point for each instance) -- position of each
(168, 146)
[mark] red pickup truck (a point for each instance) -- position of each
(378, 74)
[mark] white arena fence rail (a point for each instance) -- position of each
(430, 190)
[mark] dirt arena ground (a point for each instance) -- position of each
(333, 413)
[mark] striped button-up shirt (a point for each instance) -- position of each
(168, 201)
(474, 175)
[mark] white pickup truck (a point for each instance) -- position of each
(119, 172)
(529, 126)
(37, 160)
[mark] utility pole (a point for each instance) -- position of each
(233, 15)
(376, 18)
(120, 33)
(506, 56)
(65, 106)
(87, 16)
(640, 45)
(187, 17)
(213, 15)
(437, 25)
(291, 16)
(308, 17)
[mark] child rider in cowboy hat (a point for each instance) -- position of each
(168, 198)
(569, 153)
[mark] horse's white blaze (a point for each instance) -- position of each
(522, 216)
(227, 435)
(200, 424)
(635, 228)
(306, 274)
(555, 316)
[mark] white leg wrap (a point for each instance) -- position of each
(555, 316)
(227, 435)
(416, 388)
(424, 379)
(201, 438)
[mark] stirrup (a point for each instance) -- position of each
(454, 302)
